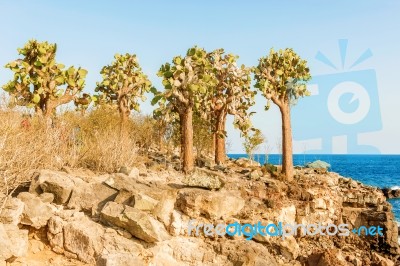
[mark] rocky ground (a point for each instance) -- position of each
(140, 216)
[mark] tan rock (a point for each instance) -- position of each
(136, 222)
(83, 237)
(59, 184)
(131, 172)
(119, 251)
(287, 215)
(144, 202)
(47, 197)
(214, 205)
(204, 178)
(91, 197)
(36, 213)
(382, 261)
(164, 208)
(176, 223)
(12, 211)
(13, 241)
(288, 247)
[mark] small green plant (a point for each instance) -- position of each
(270, 168)
(252, 142)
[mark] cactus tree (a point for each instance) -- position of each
(123, 84)
(187, 84)
(40, 82)
(281, 77)
(232, 95)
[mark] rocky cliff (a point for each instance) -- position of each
(141, 216)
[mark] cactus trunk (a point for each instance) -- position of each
(220, 153)
(287, 147)
(187, 140)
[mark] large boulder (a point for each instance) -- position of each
(60, 184)
(91, 197)
(139, 223)
(83, 237)
(36, 213)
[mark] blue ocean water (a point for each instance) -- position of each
(374, 170)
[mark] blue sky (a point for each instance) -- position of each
(88, 34)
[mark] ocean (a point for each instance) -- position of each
(374, 170)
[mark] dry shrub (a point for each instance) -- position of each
(102, 146)
(91, 141)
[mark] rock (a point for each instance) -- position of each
(254, 174)
(243, 252)
(47, 197)
(132, 172)
(318, 164)
(319, 203)
(287, 215)
(13, 242)
(138, 200)
(59, 184)
(136, 222)
(36, 213)
(391, 193)
(125, 197)
(83, 237)
(288, 247)
(205, 162)
(214, 205)
(55, 233)
(330, 257)
(121, 181)
(179, 251)
(382, 261)
(176, 223)
(119, 251)
(91, 197)
(165, 207)
(144, 202)
(119, 259)
(204, 178)
(12, 211)
(84, 174)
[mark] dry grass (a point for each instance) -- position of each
(91, 141)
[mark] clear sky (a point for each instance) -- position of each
(89, 33)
